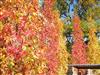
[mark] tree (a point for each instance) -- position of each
(93, 46)
(56, 51)
(31, 39)
(62, 6)
(85, 7)
(78, 51)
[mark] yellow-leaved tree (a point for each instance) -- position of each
(93, 46)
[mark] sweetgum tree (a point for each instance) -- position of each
(54, 39)
(78, 48)
(93, 46)
(31, 41)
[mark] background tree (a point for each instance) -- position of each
(78, 48)
(93, 46)
(87, 7)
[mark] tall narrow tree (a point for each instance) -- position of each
(78, 48)
(93, 46)
(56, 52)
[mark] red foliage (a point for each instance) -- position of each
(48, 39)
(78, 51)
(27, 31)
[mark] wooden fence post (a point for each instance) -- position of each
(90, 72)
(75, 71)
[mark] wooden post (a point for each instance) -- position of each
(90, 72)
(74, 70)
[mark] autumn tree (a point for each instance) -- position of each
(93, 46)
(31, 41)
(78, 51)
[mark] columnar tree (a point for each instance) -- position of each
(78, 48)
(56, 52)
(93, 46)
(31, 41)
